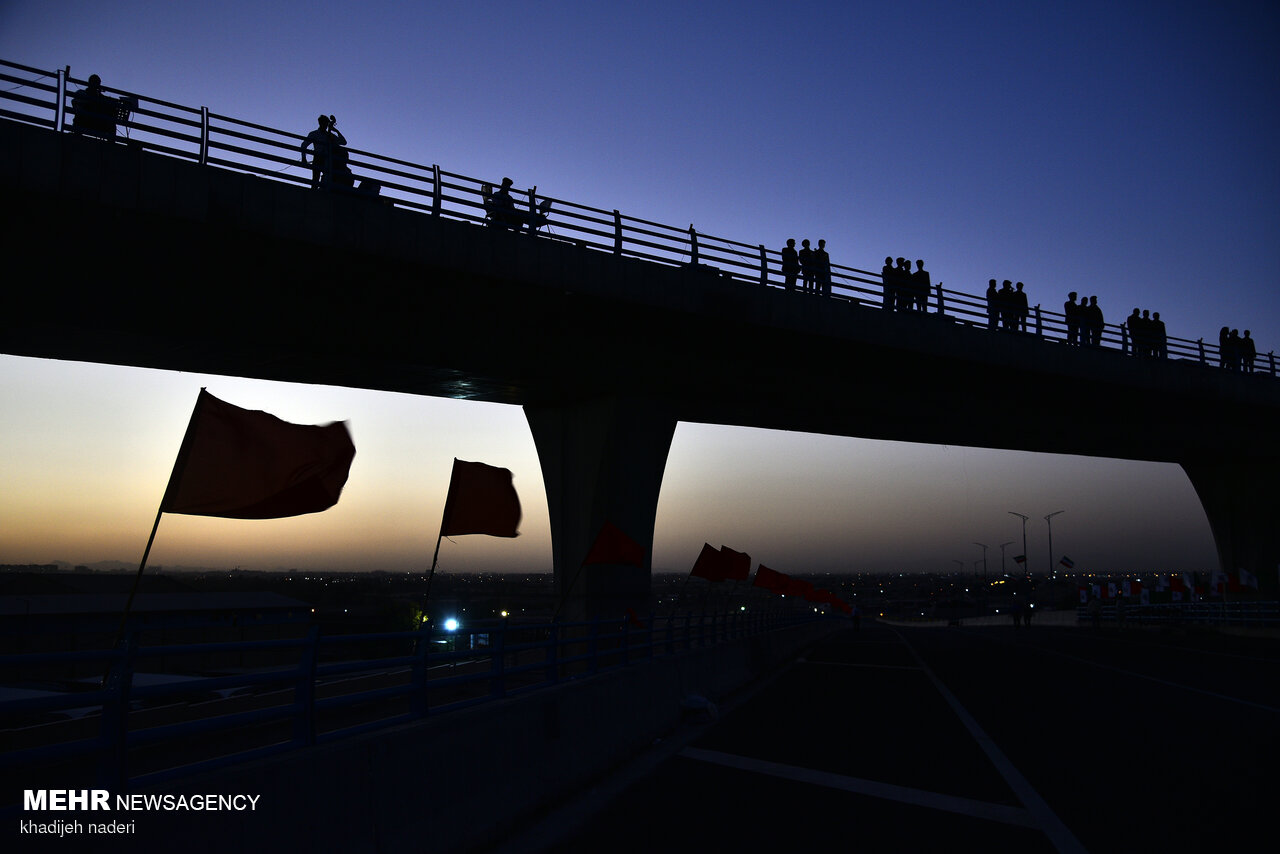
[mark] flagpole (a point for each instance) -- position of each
(175, 476)
(137, 579)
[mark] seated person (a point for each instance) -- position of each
(95, 111)
(500, 208)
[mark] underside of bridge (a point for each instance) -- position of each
(155, 262)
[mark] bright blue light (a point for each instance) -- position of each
(451, 625)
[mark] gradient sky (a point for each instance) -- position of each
(1114, 148)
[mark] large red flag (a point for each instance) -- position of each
(737, 565)
(614, 547)
(247, 464)
(710, 564)
(482, 500)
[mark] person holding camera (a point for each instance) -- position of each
(326, 142)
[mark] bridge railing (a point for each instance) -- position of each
(45, 98)
(144, 724)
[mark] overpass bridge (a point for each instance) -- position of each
(181, 243)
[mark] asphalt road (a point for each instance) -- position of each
(963, 739)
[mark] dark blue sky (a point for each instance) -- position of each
(1121, 149)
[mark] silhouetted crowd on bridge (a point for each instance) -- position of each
(1084, 321)
(1234, 352)
(811, 266)
(805, 270)
(1008, 307)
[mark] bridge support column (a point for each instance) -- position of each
(602, 461)
(1243, 506)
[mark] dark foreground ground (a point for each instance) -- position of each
(963, 739)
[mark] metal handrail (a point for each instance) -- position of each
(515, 659)
(225, 142)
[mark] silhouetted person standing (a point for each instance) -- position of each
(920, 286)
(1005, 305)
(1248, 352)
(806, 266)
(1093, 323)
(888, 278)
(993, 305)
(1134, 324)
(324, 142)
(902, 285)
(95, 111)
(1020, 308)
(822, 269)
(790, 265)
(1072, 312)
(1224, 346)
(1159, 338)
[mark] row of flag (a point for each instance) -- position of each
(725, 564)
(247, 464)
(1175, 587)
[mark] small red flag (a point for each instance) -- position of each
(798, 588)
(709, 565)
(482, 500)
(774, 582)
(247, 464)
(614, 547)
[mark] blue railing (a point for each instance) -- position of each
(41, 97)
(127, 729)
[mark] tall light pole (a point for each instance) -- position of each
(1048, 521)
(1002, 545)
(984, 561)
(1025, 565)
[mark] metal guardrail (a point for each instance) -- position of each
(125, 730)
(40, 97)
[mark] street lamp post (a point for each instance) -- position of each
(984, 561)
(1025, 565)
(1002, 545)
(1049, 522)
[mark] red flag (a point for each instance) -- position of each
(247, 464)
(798, 588)
(614, 547)
(737, 565)
(774, 582)
(710, 564)
(482, 500)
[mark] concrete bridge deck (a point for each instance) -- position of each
(1048, 738)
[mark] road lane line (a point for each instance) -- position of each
(1047, 820)
(858, 786)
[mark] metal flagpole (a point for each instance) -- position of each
(175, 477)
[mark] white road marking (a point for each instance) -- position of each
(916, 797)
